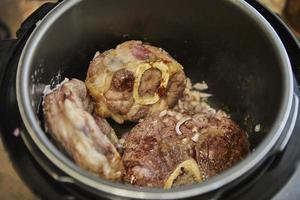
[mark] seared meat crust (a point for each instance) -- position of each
(153, 148)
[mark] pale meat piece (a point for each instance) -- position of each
(107, 130)
(68, 119)
(133, 81)
(154, 148)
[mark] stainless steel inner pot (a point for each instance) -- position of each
(226, 43)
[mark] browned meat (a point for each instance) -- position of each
(156, 146)
(123, 80)
(175, 88)
(150, 82)
(152, 153)
(68, 120)
(118, 102)
(133, 81)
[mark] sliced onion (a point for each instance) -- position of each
(200, 86)
(148, 100)
(205, 95)
(163, 113)
(96, 54)
(188, 166)
(257, 128)
(171, 113)
(16, 132)
(165, 73)
(195, 138)
(177, 128)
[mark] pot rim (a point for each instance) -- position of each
(67, 166)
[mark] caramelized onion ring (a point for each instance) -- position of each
(148, 100)
(189, 166)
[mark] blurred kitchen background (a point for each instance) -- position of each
(14, 12)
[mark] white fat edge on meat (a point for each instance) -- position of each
(101, 82)
(116, 58)
(124, 52)
(112, 62)
(84, 119)
(47, 90)
(75, 114)
(86, 145)
(92, 156)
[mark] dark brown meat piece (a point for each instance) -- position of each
(68, 120)
(149, 158)
(153, 148)
(123, 80)
(221, 146)
(134, 80)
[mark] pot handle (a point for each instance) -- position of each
(289, 127)
(30, 23)
(6, 50)
(8, 47)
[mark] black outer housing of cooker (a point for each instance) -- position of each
(10, 51)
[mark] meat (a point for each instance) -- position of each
(108, 131)
(175, 88)
(151, 153)
(192, 131)
(133, 81)
(123, 80)
(179, 139)
(68, 118)
(150, 82)
(153, 149)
